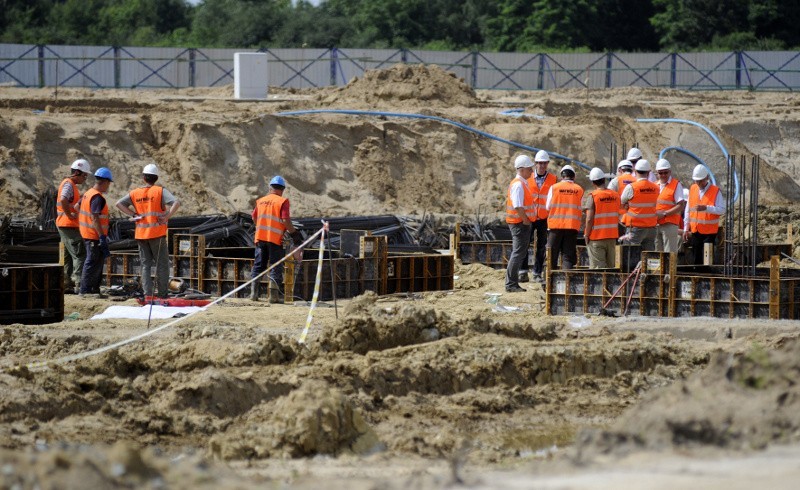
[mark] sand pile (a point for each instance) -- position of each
(736, 402)
(417, 85)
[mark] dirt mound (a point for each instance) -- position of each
(426, 85)
(736, 402)
(314, 419)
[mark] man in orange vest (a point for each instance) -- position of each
(67, 207)
(701, 217)
(602, 217)
(148, 205)
(272, 219)
(564, 219)
(623, 179)
(520, 212)
(93, 223)
(540, 183)
(641, 198)
(669, 209)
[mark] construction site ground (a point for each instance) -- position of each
(430, 390)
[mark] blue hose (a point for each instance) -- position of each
(692, 155)
(432, 118)
(716, 140)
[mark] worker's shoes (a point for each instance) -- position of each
(537, 278)
(522, 276)
(254, 292)
(275, 296)
(515, 289)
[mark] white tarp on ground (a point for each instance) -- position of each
(143, 312)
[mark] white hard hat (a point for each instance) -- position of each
(642, 166)
(82, 165)
(624, 164)
(700, 172)
(663, 164)
(634, 153)
(523, 161)
(567, 167)
(151, 169)
(597, 174)
(542, 156)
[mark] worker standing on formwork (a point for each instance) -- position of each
(520, 212)
(93, 222)
(701, 217)
(641, 199)
(540, 183)
(623, 179)
(67, 213)
(148, 206)
(602, 215)
(669, 209)
(272, 219)
(564, 220)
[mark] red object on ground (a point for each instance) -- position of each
(172, 301)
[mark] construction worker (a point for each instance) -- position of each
(623, 179)
(669, 209)
(540, 182)
(67, 212)
(701, 217)
(272, 219)
(93, 222)
(640, 199)
(634, 155)
(520, 213)
(602, 216)
(564, 219)
(148, 205)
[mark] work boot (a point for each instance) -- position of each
(522, 276)
(274, 296)
(254, 291)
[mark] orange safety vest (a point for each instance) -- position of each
(606, 215)
(269, 227)
(85, 216)
(624, 181)
(666, 201)
(62, 220)
(148, 205)
(565, 206)
(540, 195)
(527, 203)
(642, 206)
(703, 221)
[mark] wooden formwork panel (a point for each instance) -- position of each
(31, 293)
(494, 254)
(221, 275)
(418, 273)
(351, 278)
(122, 267)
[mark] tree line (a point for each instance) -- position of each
(483, 25)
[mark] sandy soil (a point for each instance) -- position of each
(428, 391)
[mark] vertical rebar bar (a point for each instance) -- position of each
(756, 175)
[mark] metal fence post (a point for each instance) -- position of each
(117, 67)
(41, 65)
(540, 81)
(334, 58)
(609, 64)
(738, 69)
(192, 66)
(672, 68)
(474, 77)
(404, 55)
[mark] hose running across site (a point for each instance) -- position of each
(432, 118)
(731, 168)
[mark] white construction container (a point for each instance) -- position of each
(250, 75)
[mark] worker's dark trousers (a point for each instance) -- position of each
(564, 243)
(267, 254)
(539, 237)
(698, 241)
(92, 274)
(520, 241)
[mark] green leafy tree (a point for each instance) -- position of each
(238, 23)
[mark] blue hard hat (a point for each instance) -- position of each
(103, 173)
(278, 180)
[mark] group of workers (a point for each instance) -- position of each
(637, 206)
(82, 223)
